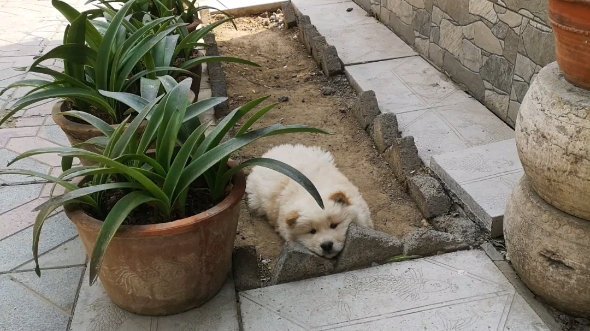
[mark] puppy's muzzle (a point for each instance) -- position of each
(327, 247)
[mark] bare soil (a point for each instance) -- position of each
(315, 100)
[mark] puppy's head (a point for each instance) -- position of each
(322, 231)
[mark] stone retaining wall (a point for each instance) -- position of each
(493, 47)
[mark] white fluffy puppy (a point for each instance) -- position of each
(292, 210)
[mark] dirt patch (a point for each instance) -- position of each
(289, 72)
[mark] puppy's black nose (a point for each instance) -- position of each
(327, 246)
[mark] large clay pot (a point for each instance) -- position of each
(549, 249)
(553, 141)
(167, 268)
(571, 26)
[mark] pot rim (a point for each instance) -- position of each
(80, 218)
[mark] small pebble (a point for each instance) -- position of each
(326, 90)
(284, 99)
(294, 76)
(277, 76)
(349, 10)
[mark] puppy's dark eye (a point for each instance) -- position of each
(312, 231)
(333, 226)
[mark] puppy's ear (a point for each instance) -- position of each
(291, 218)
(341, 198)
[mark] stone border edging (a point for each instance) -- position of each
(216, 76)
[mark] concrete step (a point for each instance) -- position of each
(483, 178)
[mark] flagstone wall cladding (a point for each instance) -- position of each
(493, 47)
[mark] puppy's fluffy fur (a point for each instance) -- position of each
(292, 210)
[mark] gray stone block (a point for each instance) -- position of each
(461, 227)
(385, 131)
(309, 32)
(245, 268)
(319, 45)
(289, 17)
(219, 89)
(426, 242)
(331, 63)
(363, 246)
(429, 195)
(403, 158)
(366, 109)
(297, 262)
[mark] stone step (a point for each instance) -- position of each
(483, 178)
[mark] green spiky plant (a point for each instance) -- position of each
(111, 56)
(162, 178)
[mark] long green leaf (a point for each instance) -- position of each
(198, 108)
(111, 224)
(200, 165)
(254, 119)
(281, 167)
(39, 221)
(134, 101)
(76, 35)
(181, 159)
(196, 35)
(225, 125)
(58, 76)
(66, 92)
(93, 37)
(138, 52)
(67, 185)
(85, 191)
(146, 72)
(96, 122)
(149, 186)
(106, 51)
(26, 83)
(75, 53)
(196, 61)
(124, 143)
(143, 159)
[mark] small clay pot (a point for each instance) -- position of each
(571, 26)
(169, 268)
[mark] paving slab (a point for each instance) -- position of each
(456, 291)
(30, 303)
(95, 311)
(359, 38)
(429, 106)
(483, 178)
(70, 253)
(15, 250)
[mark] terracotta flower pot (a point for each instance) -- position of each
(169, 268)
(571, 26)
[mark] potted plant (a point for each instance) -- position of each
(105, 57)
(159, 225)
(571, 26)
